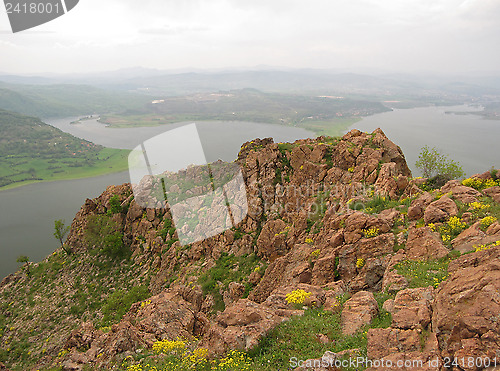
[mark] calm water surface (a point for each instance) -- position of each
(468, 139)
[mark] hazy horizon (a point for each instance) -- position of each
(449, 37)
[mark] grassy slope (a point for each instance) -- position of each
(31, 151)
(65, 100)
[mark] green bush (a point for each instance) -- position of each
(104, 234)
(115, 206)
(432, 163)
(119, 302)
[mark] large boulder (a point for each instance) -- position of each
(440, 210)
(242, 325)
(465, 311)
(424, 244)
(358, 311)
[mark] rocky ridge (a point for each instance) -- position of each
(341, 220)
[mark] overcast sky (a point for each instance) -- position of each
(452, 36)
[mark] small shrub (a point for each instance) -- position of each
(119, 302)
(432, 163)
(115, 206)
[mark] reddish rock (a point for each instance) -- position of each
(272, 240)
(424, 244)
(440, 210)
(467, 304)
(277, 299)
(392, 281)
(370, 275)
(383, 342)
(325, 270)
(285, 270)
(474, 236)
(417, 206)
(412, 308)
(242, 325)
(358, 311)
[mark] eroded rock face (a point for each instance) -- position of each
(424, 244)
(412, 308)
(242, 325)
(465, 311)
(272, 241)
(440, 210)
(358, 311)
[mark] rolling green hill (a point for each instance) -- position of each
(65, 100)
(32, 151)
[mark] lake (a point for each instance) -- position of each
(28, 212)
(466, 138)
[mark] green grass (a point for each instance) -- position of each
(229, 268)
(424, 273)
(32, 151)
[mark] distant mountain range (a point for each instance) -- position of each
(189, 81)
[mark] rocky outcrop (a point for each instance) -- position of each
(466, 329)
(440, 210)
(424, 244)
(242, 325)
(358, 311)
(308, 228)
(166, 316)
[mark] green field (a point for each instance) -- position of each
(31, 151)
